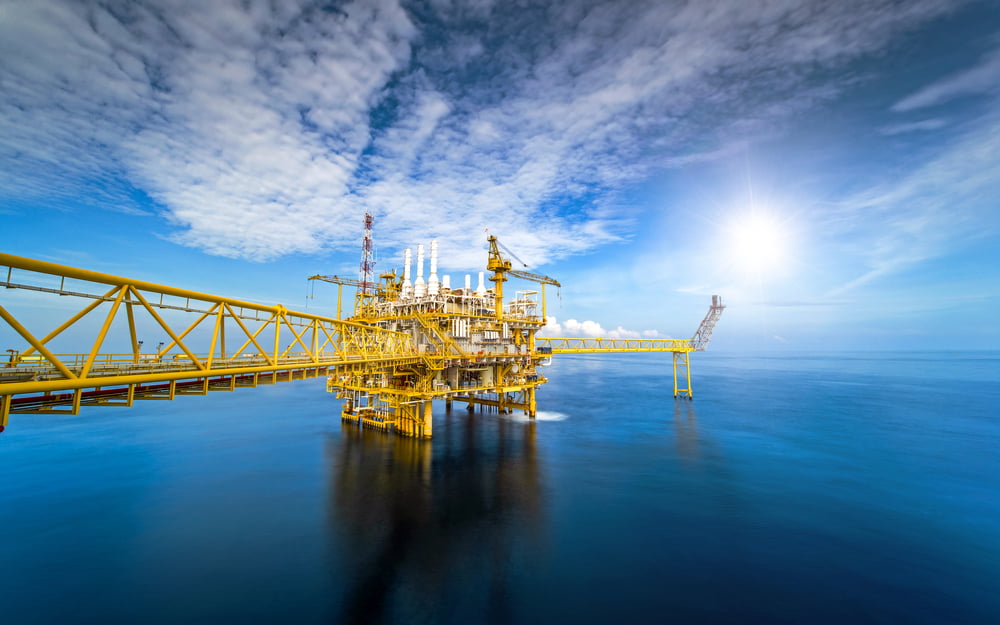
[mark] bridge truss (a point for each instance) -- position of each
(209, 342)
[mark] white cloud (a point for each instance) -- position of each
(983, 78)
(571, 328)
(264, 129)
(923, 124)
(925, 213)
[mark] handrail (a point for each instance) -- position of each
(603, 345)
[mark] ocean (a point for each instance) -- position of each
(832, 488)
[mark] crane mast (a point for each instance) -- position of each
(501, 268)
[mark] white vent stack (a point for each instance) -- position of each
(432, 282)
(481, 289)
(419, 288)
(446, 282)
(468, 284)
(407, 286)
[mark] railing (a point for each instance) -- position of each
(267, 338)
(602, 345)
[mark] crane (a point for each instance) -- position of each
(365, 290)
(501, 268)
(340, 282)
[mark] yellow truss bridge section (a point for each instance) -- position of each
(211, 342)
(604, 346)
(680, 348)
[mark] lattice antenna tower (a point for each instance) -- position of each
(367, 274)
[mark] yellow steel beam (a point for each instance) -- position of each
(133, 336)
(191, 327)
(353, 343)
(60, 384)
(103, 333)
(166, 328)
(38, 266)
(602, 345)
(26, 335)
(215, 336)
(297, 338)
(80, 315)
(251, 338)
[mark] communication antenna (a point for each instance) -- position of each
(367, 274)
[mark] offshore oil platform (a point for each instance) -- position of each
(477, 348)
(409, 342)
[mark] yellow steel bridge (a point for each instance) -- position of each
(219, 343)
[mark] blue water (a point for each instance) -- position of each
(822, 489)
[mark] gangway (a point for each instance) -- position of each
(267, 344)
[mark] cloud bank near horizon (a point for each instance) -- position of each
(592, 329)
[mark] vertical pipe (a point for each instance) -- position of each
(407, 285)
(277, 337)
(222, 332)
(215, 338)
(545, 316)
(432, 281)
(687, 372)
(131, 327)
(419, 288)
(675, 374)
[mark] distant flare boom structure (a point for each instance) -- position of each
(704, 332)
(406, 345)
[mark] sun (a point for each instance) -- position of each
(757, 243)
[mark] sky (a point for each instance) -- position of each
(831, 169)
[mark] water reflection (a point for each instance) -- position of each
(433, 528)
(686, 434)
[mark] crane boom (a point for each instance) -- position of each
(341, 283)
(338, 280)
(511, 254)
(534, 277)
(501, 268)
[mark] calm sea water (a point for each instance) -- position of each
(852, 488)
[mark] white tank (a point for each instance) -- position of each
(419, 288)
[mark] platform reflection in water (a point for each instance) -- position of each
(424, 529)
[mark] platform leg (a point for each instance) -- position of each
(682, 375)
(428, 419)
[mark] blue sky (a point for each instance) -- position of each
(831, 168)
